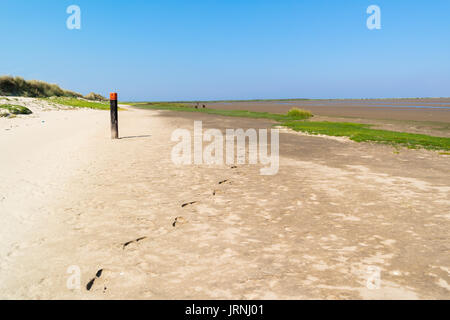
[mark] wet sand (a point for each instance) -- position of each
(434, 110)
(73, 197)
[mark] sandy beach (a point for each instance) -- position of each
(70, 197)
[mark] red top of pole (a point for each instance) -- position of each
(113, 96)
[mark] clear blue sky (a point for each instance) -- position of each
(231, 49)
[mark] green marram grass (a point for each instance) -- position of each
(9, 109)
(79, 103)
(364, 133)
(19, 87)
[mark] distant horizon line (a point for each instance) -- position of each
(282, 99)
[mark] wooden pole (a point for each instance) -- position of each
(114, 116)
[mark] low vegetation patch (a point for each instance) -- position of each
(299, 114)
(364, 133)
(9, 109)
(95, 97)
(231, 113)
(355, 131)
(79, 103)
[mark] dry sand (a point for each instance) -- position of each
(69, 196)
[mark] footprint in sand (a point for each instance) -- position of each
(178, 220)
(188, 204)
(91, 283)
(14, 250)
(126, 244)
(227, 181)
(104, 278)
(217, 192)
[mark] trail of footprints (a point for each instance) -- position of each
(176, 222)
(181, 220)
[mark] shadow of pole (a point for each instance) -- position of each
(136, 137)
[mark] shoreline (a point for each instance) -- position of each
(363, 109)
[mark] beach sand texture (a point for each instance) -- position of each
(70, 196)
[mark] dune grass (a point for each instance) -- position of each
(229, 113)
(19, 87)
(9, 109)
(95, 97)
(364, 133)
(80, 103)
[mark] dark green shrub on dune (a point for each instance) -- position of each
(8, 109)
(95, 97)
